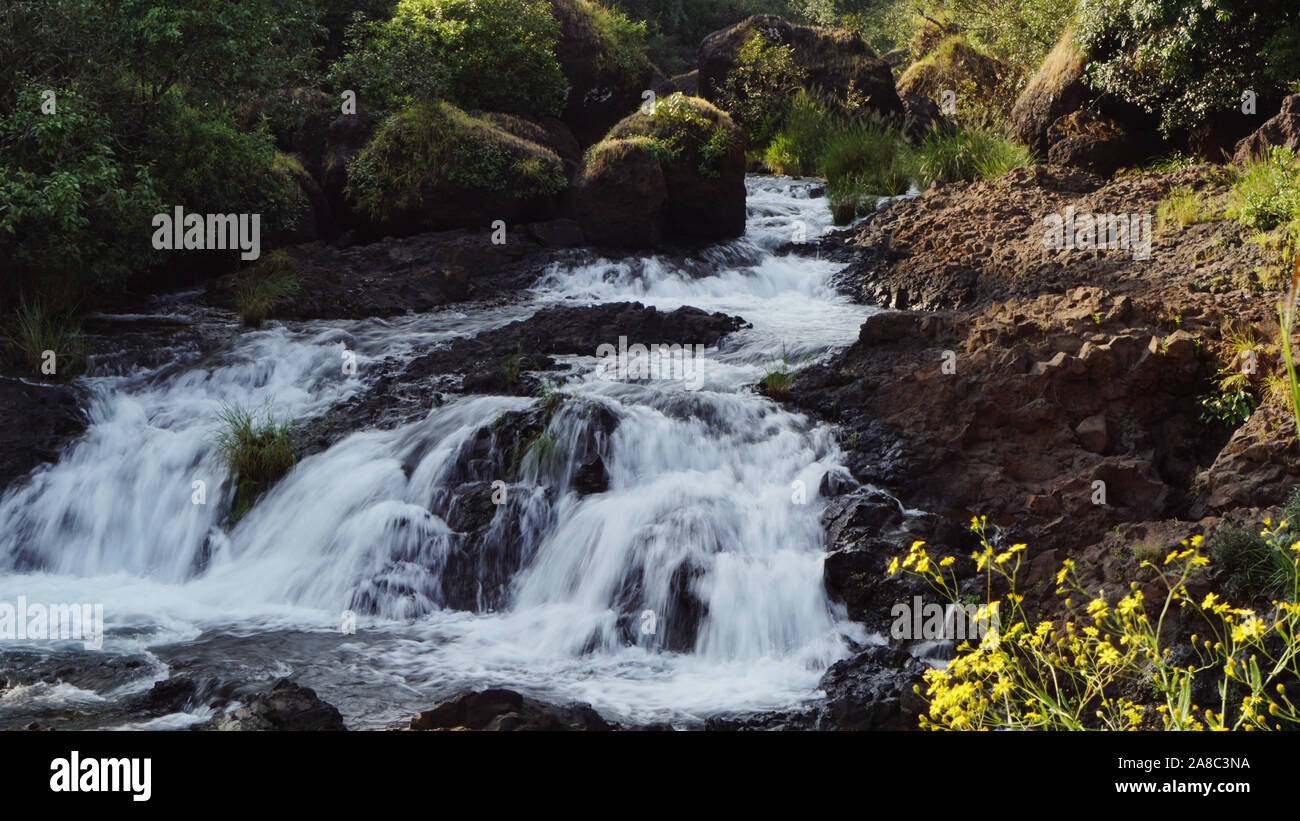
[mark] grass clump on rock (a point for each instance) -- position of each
(262, 286)
(49, 343)
(257, 452)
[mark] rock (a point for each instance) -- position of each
(557, 233)
(834, 60)
(921, 114)
(424, 171)
(620, 195)
(602, 88)
(40, 421)
(636, 191)
(1094, 143)
(687, 83)
(548, 132)
(1093, 434)
(344, 139)
(1056, 89)
(286, 706)
(1283, 130)
(873, 691)
(498, 709)
(954, 65)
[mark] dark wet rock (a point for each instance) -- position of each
(872, 690)
(921, 114)
(40, 421)
(284, 706)
(502, 710)
(181, 694)
(344, 139)
(412, 274)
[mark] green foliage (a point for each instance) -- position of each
(623, 41)
(682, 129)
(143, 98)
(257, 452)
(953, 155)
(497, 55)
(862, 162)
(514, 364)
(1258, 567)
(432, 145)
(797, 147)
(757, 90)
(1266, 192)
(779, 377)
(1188, 59)
(1230, 405)
(36, 329)
(261, 287)
(674, 25)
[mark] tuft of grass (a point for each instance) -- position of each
(50, 343)
(262, 286)
(513, 364)
(958, 155)
(257, 451)
(1258, 567)
(1182, 206)
(797, 147)
(779, 377)
(1266, 191)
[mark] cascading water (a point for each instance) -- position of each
(691, 585)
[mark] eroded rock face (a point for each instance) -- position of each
(1283, 130)
(499, 709)
(834, 60)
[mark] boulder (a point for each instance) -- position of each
(954, 65)
(837, 61)
(678, 173)
(40, 422)
(920, 114)
(1283, 129)
(604, 83)
(286, 706)
(344, 139)
(499, 709)
(621, 196)
(434, 167)
(1092, 142)
(1056, 89)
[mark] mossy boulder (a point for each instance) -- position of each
(677, 173)
(836, 61)
(602, 56)
(1055, 90)
(433, 167)
(955, 65)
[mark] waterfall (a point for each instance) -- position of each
(690, 585)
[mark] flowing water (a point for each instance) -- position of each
(691, 587)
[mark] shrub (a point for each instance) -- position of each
(867, 159)
(1187, 59)
(757, 90)
(497, 55)
(1109, 664)
(954, 155)
(686, 130)
(257, 453)
(432, 146)
(623, 45)
(259, 288)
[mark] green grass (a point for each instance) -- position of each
(957, 155)
(36, 329)
(257, 451)
(779, 378)
(1266, 192)
(1182, 206)
(513, 364)
(262, 286)
(1254, 567)
(797, 147)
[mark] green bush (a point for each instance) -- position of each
(436, 145)
(757, 90)
(622, 40)
(873, 153)
(955, 155)
(687, 130)
(1185, 60)
(496, 55)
